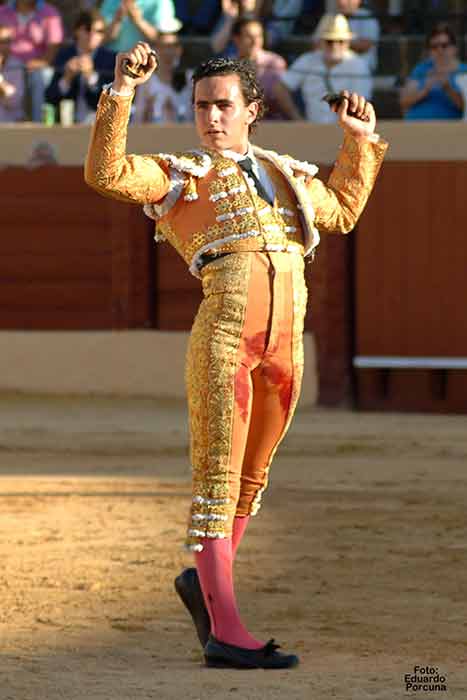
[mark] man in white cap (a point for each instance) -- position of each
(166, 97)
(331, 68)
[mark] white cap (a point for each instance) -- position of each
(171, 25)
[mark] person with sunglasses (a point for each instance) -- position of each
(431, 91)
(83, 67)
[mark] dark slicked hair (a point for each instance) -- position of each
(250, 87)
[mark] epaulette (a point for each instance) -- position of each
(185, 168)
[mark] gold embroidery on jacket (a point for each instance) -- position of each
(139, 179)
(210, 376)
(339, 203)
(241, 221)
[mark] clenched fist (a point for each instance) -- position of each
(356, 115)
(140, 56)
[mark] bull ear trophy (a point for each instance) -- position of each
(336, 99)
(138, 70)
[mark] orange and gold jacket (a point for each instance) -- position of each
(202, 203)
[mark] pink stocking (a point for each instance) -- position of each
(214, 564)
(239, 526)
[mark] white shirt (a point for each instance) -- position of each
(258, 170)
(167, 104)
(310, 74)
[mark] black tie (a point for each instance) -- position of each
(247, 166)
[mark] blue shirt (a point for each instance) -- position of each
(437, 104)
(156, 12)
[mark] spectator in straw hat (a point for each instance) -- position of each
(331, 68)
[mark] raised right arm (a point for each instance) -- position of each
(129, 178)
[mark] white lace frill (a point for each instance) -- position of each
(155, 211)
(179, 168)
(290, 167)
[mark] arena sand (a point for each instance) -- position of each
(357, 561)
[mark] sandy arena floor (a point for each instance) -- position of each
(357, 561)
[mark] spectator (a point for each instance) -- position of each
(83, 67)
(365, 29)
(431, 91)
(166, 97)
(231, 11)
(11, 81)
(37, 33)
(130, 21)
(331, 68)
(248, 39)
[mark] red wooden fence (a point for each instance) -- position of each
(411, 286)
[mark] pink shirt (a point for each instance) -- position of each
(31, 39)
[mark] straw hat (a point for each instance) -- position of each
(334, 27)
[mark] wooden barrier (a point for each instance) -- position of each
(411, 262)
(72, 260)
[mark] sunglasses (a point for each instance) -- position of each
(94, 30)
(329, 42)
(440, 45)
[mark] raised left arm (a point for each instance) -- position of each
(339, 203)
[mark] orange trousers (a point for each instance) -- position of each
(244, 370)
